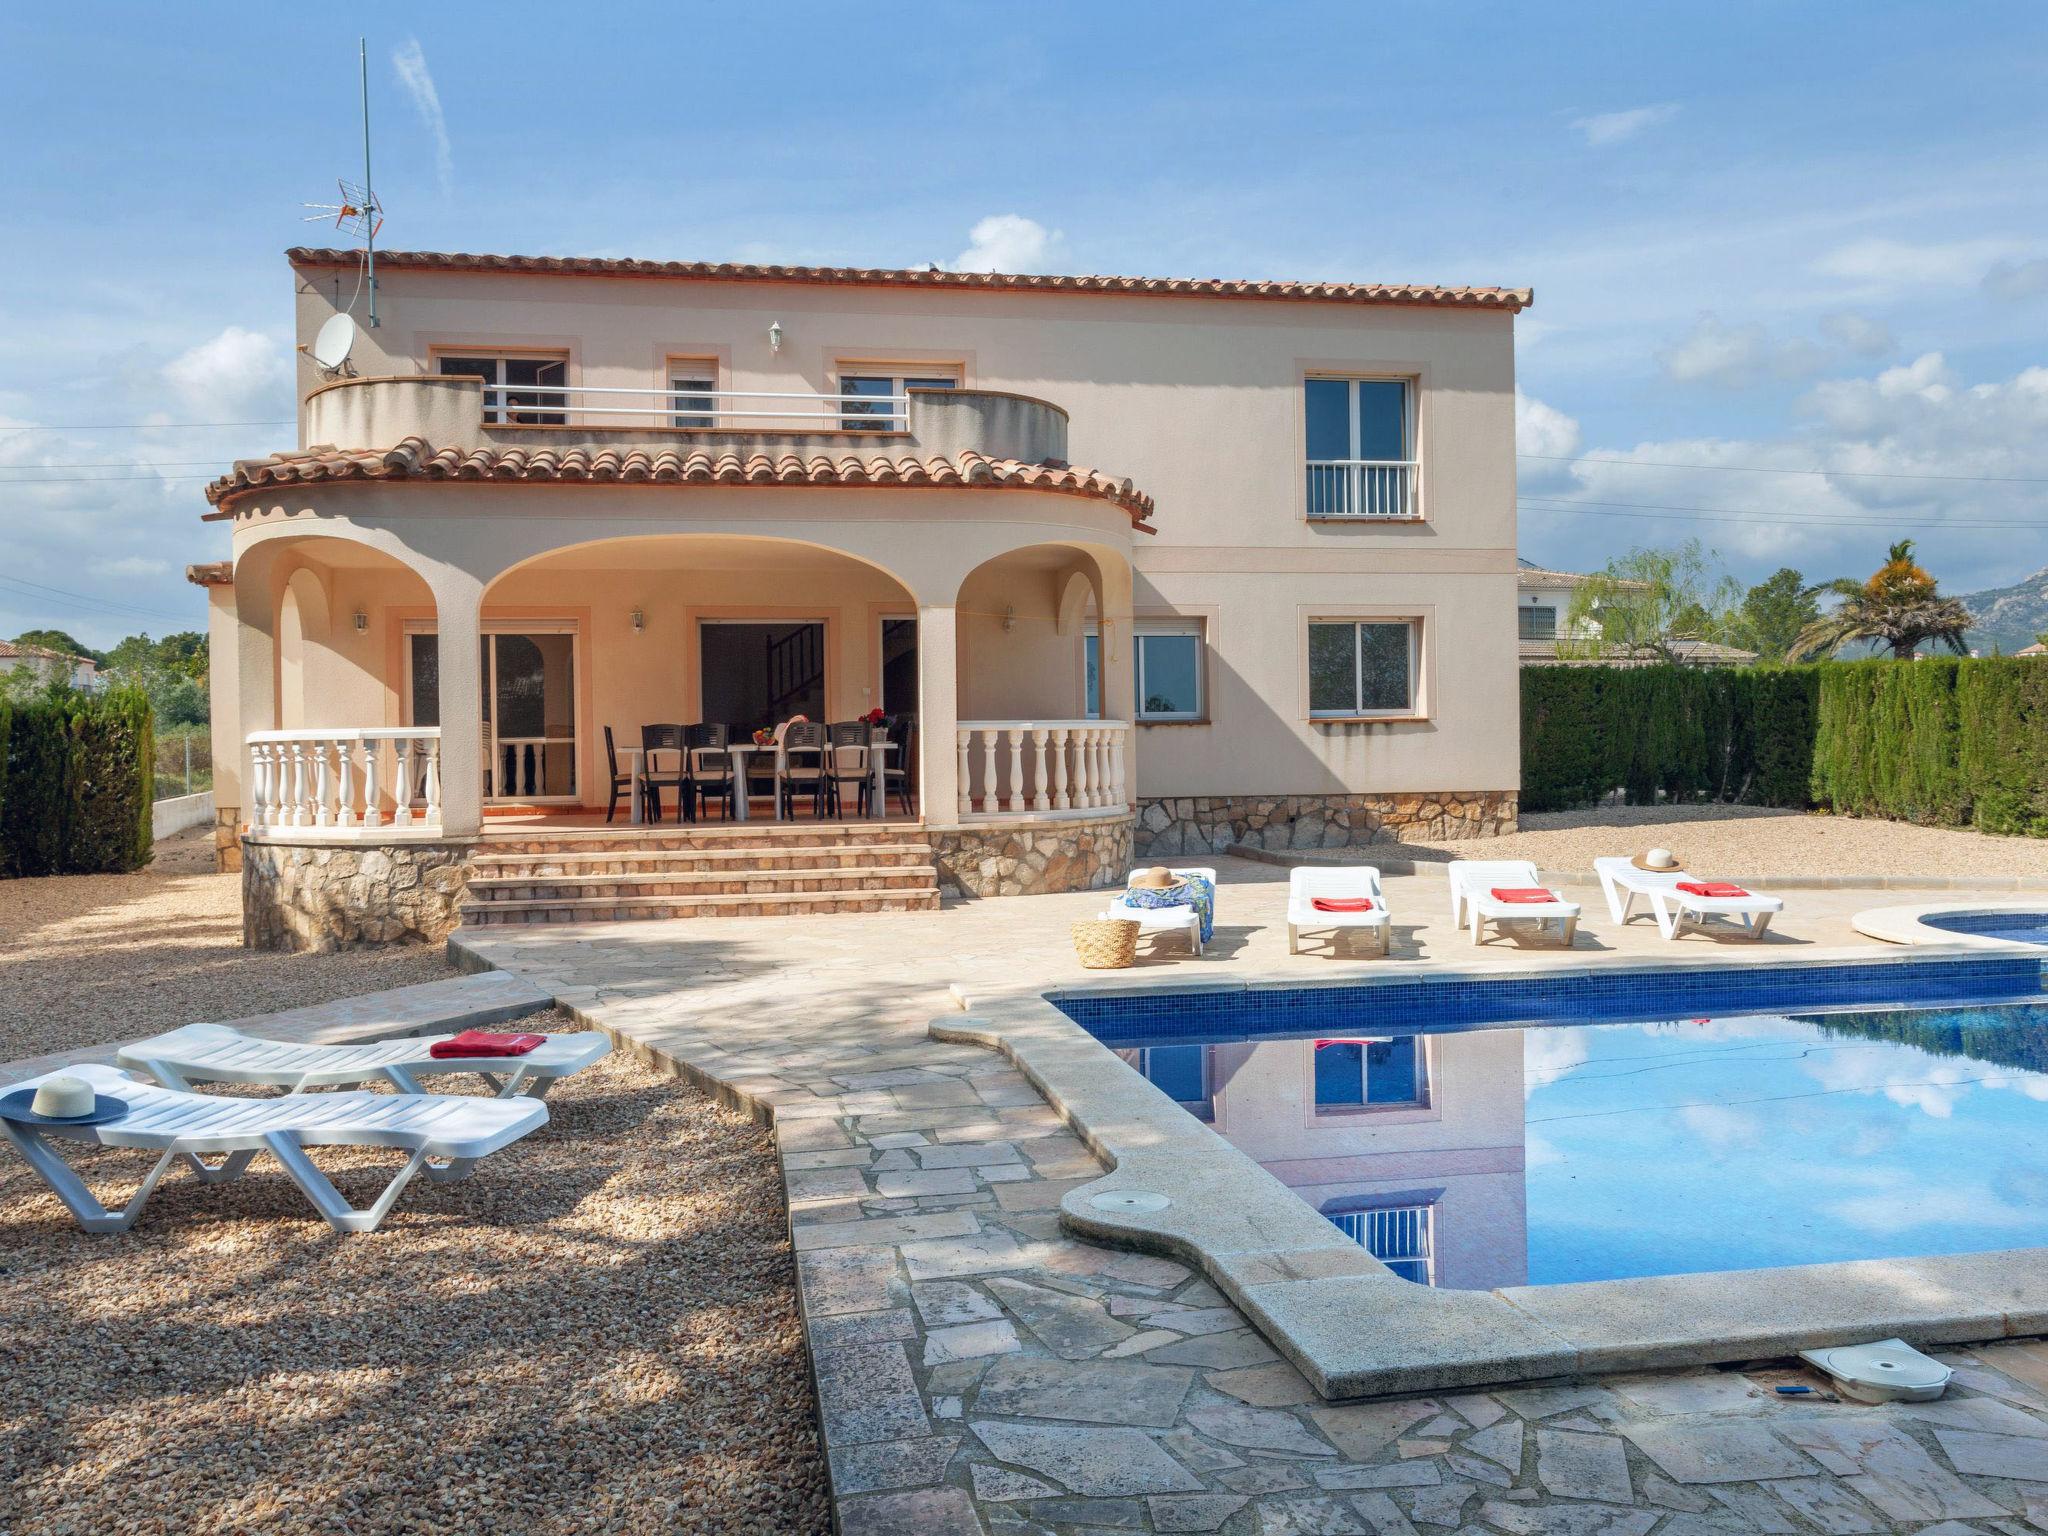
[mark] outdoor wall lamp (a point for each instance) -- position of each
(639, 622)
(362, 620)
(1009, 618)
(775, 336)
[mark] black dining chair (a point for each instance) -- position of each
(897, 766)
(622, 783)
(804, 754)
(664, 738)
(847, 761)
(707, 766)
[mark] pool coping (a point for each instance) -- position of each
(1357, 1330)
(1907, 923)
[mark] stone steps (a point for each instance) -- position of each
(745, 870)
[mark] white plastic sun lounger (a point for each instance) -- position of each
(1624, 882)
(214, 1053)
(1153, 921)
(1307, 882)
(1472, 882)
(457, 1130)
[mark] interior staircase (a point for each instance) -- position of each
(742, 870)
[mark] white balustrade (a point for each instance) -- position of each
(1364, 488)
(1041, 767)
(337, 779)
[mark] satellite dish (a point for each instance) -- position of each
(336, 340)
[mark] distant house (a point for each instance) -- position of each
(48, 665)
(2036, 649)
(1543, 601)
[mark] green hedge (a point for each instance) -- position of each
(75, 783)
(1954, 743)
(1667, 732)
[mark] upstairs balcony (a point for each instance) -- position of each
(465, 412)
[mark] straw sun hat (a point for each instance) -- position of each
(1157, 878)
(1660, 861)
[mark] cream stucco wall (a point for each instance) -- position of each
(1199, 401)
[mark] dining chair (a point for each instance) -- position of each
(898, 765)
(664, 738)
(848, 762)
(804, 753)
(707, 767)
(622, 783)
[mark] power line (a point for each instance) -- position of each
(123, 464)
(1771, 469)
(1747, 515)
(97, 607)
(104, 479)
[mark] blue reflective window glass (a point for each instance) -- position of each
(1177, 1070)
(1393, 1071)
(1340, 1078)
(1382, 419)
(1326, 405)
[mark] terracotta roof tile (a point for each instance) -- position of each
(416, 459)
(1428, 294)
(215, 573)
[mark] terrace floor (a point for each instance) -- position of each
(978, 1370)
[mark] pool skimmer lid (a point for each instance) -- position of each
(1129, 1200)
(1889, 1371)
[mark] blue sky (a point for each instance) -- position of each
(1781, 237)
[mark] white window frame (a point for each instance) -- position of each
(487, 670)
(1411, 394)
(494, 414)
(1532, 609)
(1410, 710)
(897, 376)
(1141, 630)
(1420, 1219)
(679, 372)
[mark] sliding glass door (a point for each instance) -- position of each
(528, 687)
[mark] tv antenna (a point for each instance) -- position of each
(358, 214)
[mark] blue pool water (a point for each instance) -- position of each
(2025, 927)
(1480, 1134)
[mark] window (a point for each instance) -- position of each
(1184, 1073)
(1361, 434)
(692, 383)
(1372, 1073)
(1536, 623)
(1091, 655)
(1399, 1236)
(882, 415)
(1361, 668)
(504, 375)
(1168, 663)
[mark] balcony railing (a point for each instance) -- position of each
(1039, 767)
(1401, 1237)
(1363, 488)
(738, 410)
(344, 779)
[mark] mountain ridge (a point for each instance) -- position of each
(2008, 618)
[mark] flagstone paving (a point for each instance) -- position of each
(980, 1371)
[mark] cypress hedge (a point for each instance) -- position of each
(75, 783)
(1953, 743)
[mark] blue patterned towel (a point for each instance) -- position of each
(1195, 891)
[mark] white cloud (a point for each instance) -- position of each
(410, 62)
(1606, 128)
(1543, 429)
(1737, 355)
(2018, 280)
(235, 370)
(1008, 242)
(1890, 265)
(1859, 333)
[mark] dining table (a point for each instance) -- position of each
(637, 760)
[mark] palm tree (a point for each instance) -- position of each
(1899, 606)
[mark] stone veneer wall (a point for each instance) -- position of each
(1032, 857)
(325, 896)
(1209, 824)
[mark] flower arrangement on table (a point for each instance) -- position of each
(874, 717)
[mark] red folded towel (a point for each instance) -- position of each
(1710, 888)
(481, 1042)
(1522, 895)
(1341, 903)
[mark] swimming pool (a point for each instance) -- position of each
(1479, 1134)
(2021, 927)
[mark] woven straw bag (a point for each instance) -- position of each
(1106, 943)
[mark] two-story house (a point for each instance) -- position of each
(1134, 567)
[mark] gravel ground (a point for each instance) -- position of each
(1743, 840)
(90, 958)
(596, 1331)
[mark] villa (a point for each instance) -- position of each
(1128, 566)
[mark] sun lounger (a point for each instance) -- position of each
(1153, 921)
(1623, 882)
(454, 1129)
(1339, 888)
(214, 1053)
(1473, 883)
